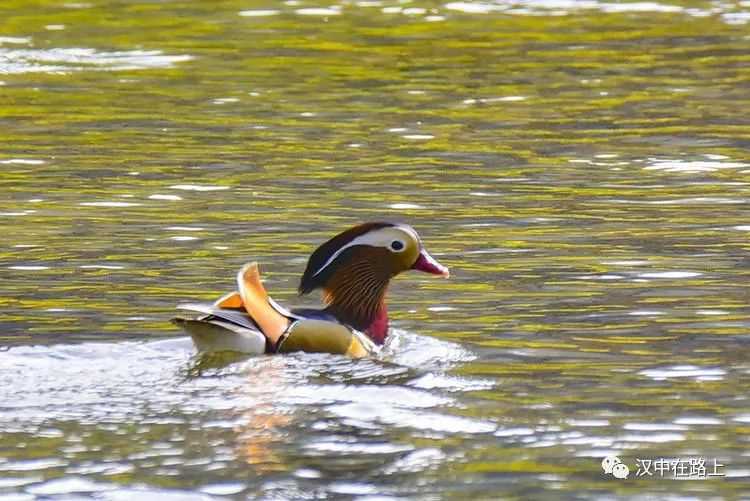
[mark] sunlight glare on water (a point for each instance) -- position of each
(160, 385)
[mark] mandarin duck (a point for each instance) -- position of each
(353, 270)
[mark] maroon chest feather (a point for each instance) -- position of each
(378, 329)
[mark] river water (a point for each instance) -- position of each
(582, 167)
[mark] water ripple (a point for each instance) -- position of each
(63, 60)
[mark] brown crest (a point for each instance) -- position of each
(317, 273)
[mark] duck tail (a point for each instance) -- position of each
(255, 301)
(231, 300)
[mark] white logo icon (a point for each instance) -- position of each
(621, 471)
(609, 462)
(613, 466)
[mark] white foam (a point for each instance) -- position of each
(694, 166)
(671, 274)
(172, 198)
(472, 7)
(259, 13)
(109, 204)
(22, 161)
(320, 11)
(197, 187)
(418, 136)
(405, 206)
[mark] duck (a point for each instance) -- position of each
(353, 270)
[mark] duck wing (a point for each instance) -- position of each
(249, 321)
(231, 315)
(221, 329)
(313, 314)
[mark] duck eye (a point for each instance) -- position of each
(397, 245)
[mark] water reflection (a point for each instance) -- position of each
(267, 402)
(63, 60)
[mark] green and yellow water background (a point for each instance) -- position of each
(582, 167)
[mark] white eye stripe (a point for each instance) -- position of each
(360, 240)
(412, 232)
(379, 238)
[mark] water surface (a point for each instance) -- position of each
(582, 167)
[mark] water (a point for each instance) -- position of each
(582, 167)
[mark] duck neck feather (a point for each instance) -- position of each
(356, 297)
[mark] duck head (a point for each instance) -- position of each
(354, 267)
